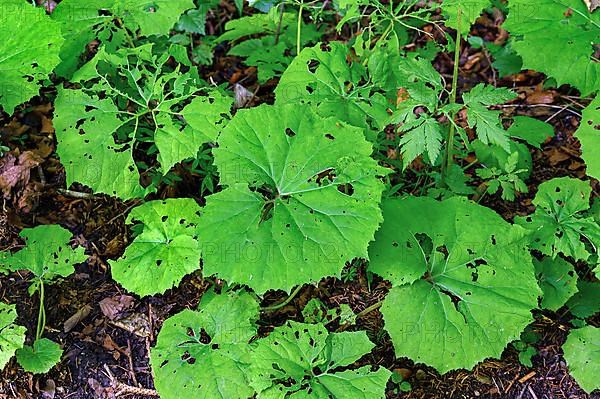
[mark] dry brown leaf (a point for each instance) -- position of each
(592, 4)
(16, 171)
(77, 318)
(114, 306)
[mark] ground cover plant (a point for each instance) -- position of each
(299, 199)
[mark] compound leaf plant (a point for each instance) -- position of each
(300, 193)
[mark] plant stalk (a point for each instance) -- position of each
(450, 141)
(284, 303)
(41, 322)
(299, 27)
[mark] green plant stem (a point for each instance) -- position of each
(369, 309)
(450, 141)
(284, 303)
(41, 322)
(299, 33)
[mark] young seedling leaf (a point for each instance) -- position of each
(558, 224)
(573, 29)
(463, 282)
(469, 11)
(588, 135)
(41, 357)
(165, 251)
(301, 199)
(558, 281)
(29, 51)
(203, 354)
(298, 360)
(582, 353)
(47, 253)
(12, 336)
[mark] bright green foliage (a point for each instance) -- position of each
(114, 22)
(47, 253)
(28, 51)
(588, 135)
(489, 128)
(201, 354)
(533, 131)
(505, 177)
(41, 357)
(470, 10)
(558, 224)
(272, 52)
(297, 361)
(582, 353)
(573, 30)
(165, 251)
(12, 336)
(558, 281)
(335, 86)
(586, 302)
(194, 20)
(129, 97)
(463, 282)
(301, 199)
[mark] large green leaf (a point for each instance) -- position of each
(582, 353)
(463, 282)
(12, 336)
(41, 357)
(112, 21)
(586, 302)
(301, 199)
(298, 361)
(47, 253)
(165, 251)
(130, 97)
(200, 354)
(28, 51)
(558, 224)
(588, 135)
(335, 86)
(558, 281)
(557, 37)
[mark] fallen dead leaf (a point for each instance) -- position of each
(114, 306)
(79, 316)
(592, 4)
(16, 171)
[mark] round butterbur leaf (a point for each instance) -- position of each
(12, 336)
(40, 357)
(463, 282)
(582, 353)
(301, 199)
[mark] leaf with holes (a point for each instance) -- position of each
(558, 224)
(558, 281)
(298, 360)
(12, 336)
(25, 59)
(574, 30)
(337, 87)
(582, 353)
(165, 251)
(47, 253)
(131, 101)
(463, 282)
(301, 199)
(114, 22)
(40, 357)
(588, 135)
(202, 354)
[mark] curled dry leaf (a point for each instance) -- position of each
(16, 172)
